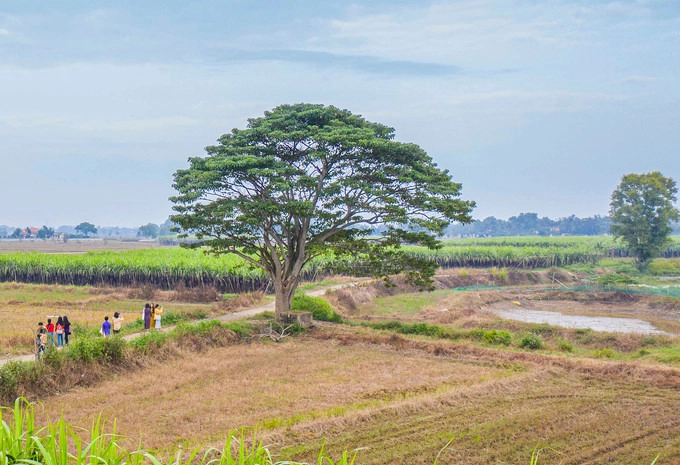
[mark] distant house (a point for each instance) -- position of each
(32, 232)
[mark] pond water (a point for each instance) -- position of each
(596, 323)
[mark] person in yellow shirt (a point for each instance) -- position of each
(117, 323)
(157, 312)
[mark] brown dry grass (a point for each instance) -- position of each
(352, 299)
(22, 306)
(198, 399)
(401, 398)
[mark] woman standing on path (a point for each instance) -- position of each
(146, 314)
(59, 330)
(117, 323)
(67, 329)
(50, 332)
(157, 312)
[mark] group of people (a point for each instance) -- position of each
(45, 335)
(108, 327)
(152, 312)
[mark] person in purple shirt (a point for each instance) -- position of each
(106, 327)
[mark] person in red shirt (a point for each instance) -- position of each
(50, 332)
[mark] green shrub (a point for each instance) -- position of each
(102, 349)
(149, 341)
(584, 335)
(544, 330)
(531, 341)
(52, 357)
(319, 308)
(170, 318)
(665, 266)
(495, 336)
(425, 329)
(201, 328)
(422, 329)
(388, 325)
(10, 373)
(476, 334)
(615, 279)
(14, 375)
(565, 346)
(243, 329)
(501, 275)
(649, 341)
(605, 353)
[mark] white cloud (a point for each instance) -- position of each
(638, 80)
(160, 124)
(473, 32)
(450, 31)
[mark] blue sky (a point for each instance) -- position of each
(534, 106)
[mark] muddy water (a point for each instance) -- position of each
(596, 323)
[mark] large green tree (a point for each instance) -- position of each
(641, 211)
(306, 180)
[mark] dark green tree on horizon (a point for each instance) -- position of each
(86, 229)
(150, 230)
(306, 180)
(641, 210)
(45, 233)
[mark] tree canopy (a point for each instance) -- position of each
(148, 230)
(641, 211)
(306, 180)
(45, 232)
(86, 228)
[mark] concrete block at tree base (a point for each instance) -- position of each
(304, 319)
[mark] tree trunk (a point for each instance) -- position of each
(284, 298)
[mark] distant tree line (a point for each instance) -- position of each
(87, 230)
(524, 224)
(529, 224)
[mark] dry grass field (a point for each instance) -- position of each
(397, 398)
(22, 306)
(401, 399)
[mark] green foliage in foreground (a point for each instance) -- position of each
(59, 443)
(22, 442)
